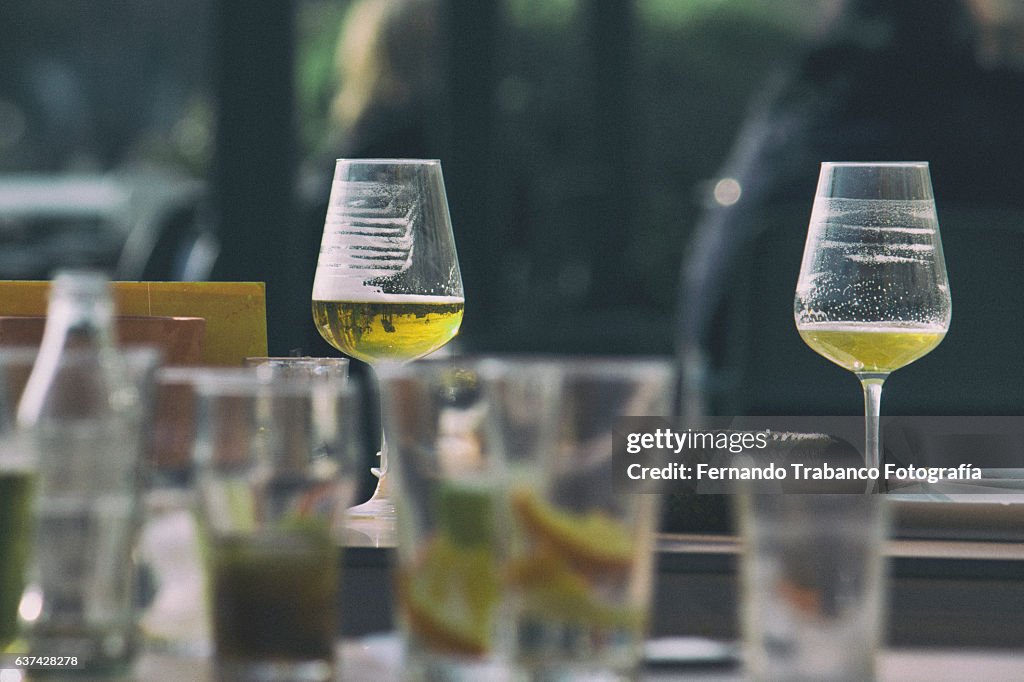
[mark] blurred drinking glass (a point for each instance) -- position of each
(174, 612)
(449, 488)
(812, 578)
(84, 408)
(17, 480)
(581, 561)
(275, 471)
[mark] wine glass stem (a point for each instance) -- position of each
(382, 470)
(872, 384)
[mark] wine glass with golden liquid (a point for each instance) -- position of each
(873, 295)
(387, 287)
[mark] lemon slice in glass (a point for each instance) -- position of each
(450, 597)
(592, 541)
(551, 590)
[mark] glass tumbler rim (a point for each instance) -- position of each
(879, 164)
(242, 381)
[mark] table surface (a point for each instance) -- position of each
(378, 657)
(368, 660)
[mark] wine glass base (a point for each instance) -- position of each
(369, 531)
(372, 523)
(374, 508)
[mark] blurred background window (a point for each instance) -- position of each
(105, 137)
(91, 86)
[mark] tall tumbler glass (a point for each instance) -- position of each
(275, 471)
(580, 565)
(173, 617)
(813, 586)
(450, 485)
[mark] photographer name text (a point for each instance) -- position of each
(800, 472)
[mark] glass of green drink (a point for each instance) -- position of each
(16, 487)
(275, 472)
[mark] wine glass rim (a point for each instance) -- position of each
(889, 164)
(394, 162)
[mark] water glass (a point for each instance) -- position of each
(813, 578)
(275, 471)
(450, 526)
(80, 600)
(581, 555)
(173, 617)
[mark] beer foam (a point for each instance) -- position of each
(348, 286)
(327, 287)
(368, 295)
(880, 327)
